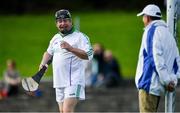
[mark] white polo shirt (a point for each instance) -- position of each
(68, 69)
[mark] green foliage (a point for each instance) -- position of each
(25, 38)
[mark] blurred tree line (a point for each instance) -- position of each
(44, 6)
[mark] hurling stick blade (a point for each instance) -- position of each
(29, 84)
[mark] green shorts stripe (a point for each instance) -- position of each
(78, 91)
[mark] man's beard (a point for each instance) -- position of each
(66, 31)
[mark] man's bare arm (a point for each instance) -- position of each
(78, 52)
(45, 59)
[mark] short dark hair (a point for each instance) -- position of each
(155, 18)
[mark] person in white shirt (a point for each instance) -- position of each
(68, 48)
(158, 63)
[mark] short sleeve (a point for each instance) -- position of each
(50, 47)
(86, 46)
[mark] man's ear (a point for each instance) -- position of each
(149, 19)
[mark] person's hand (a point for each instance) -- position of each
(41, 66)
(65, 45)
(171, 86)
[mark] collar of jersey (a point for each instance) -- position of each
(69, 32)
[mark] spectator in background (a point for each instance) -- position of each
(11, 78)
(3, 91)
(103, 70)
(112, 74)
(98, 56)
(97, 65)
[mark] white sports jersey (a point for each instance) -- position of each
(68, 69)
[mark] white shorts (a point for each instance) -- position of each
(75, 91)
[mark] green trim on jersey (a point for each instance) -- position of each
(90, 52)
(86, 38)
(78, 90)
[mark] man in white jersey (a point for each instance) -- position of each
(68, 48)
(158, 64)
